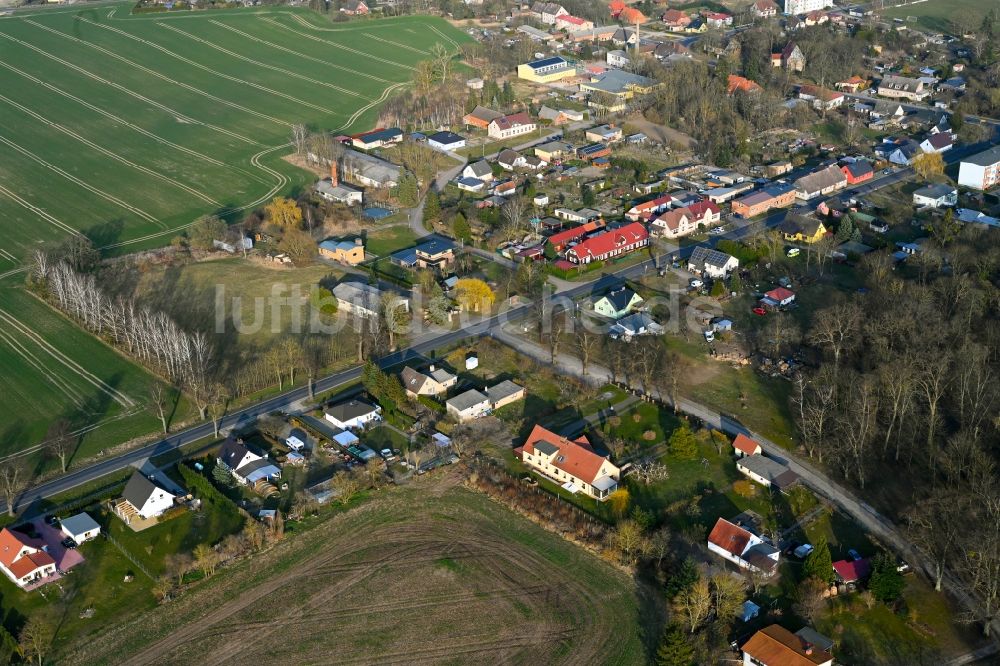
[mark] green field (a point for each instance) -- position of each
(938, 14)
(126, 128)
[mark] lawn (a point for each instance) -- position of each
(127, 128)
(383, 241)
(442, 574)
(937, 14)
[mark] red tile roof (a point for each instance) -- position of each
(780, 293)
(731, 538)
(602, 244)
(575, 20)
(672, 218)
(741, 83)
(11, 545)
(700, 209)
(746, 444)
(513, 120)
(576, 457)
(566, 236)
(851, 571)
(776, 646)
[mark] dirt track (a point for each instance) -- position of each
(409, 578)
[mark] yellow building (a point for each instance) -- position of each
(802, 229)
(350, 252)
(547, 70)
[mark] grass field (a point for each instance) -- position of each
(126, 128)
(937, 14)
(393, 581)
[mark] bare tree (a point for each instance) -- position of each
(587, 344)
(60, 441)
(299, 136)
(35, 639)
(13, 480)
(218, 402)
(694, 604)
(936, 526)
(513, 212)
(159, 401)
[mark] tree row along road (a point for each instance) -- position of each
(287, 400)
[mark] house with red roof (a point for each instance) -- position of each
(852, 571)
(780, 296)
(706, 213)
(745, 446)
(776, 646)
(572, 23)
(742, 84)
(560, 240)
(571, 463)
(674, 223)
(743, 548)
(515, 124)
(718, 20)
(765, 8)
(649, 209)
(23, 559)
(610, 244)
(675, 18)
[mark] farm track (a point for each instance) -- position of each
(339, 46)
(104, 151)
(279, 47)
(74, 396)
(262, 65)
(205, 68)
(142, 98)
(163, 77)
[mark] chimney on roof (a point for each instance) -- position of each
(334, 179)
(809, 649)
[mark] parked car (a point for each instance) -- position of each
(854, 555)
(695, 283)
(792, 252)
(759, 311)
(52, 520)
(709, 336)
(886, 172)
(68, 542)
(802, 552)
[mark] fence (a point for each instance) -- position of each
(131, 558)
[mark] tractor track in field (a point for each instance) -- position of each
(298, 19)
(90, 75)
(161, 76)
(342, 47)
(205, 68)
(254, 38)
(104, 151)
(19, 348)
(39, 212)
(263, 65)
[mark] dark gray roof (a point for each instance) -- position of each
(985, 158)
(503, 390)
(705, 256)
(798, 223)
(935, 191)
(620, 297)
(80, 523)
(139, 489)
(352, 409)
(548, 448)
(481, 168)
(233, 452)
(468, 399)
(773, 471)
(256, 465)
(810, 635)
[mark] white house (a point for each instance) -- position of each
(352, 414)
(363, 299)
(246, 466)
(144, 498)
(767, 472)
(712, 263)
(574, 464)
(980, 171)
(937, 195)
(22, 560)
(746, 446)
(743, 548)
(446, 141)
(506, 127)
(80, 527)
(468, 406)
(480, 170)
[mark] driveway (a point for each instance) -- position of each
(66, 558)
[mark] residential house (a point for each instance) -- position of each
(858, 171)
(902, 87)
(510, 159)
(355, 8)
(143, 498)
(446, 141)
(711, 263)
(435, 381)
(821, 98)
(604, 133)
(796, 7)
(815, 17)
(939, 142)
(503, 394)
(618, 302)
(674, 223)
(349, 252)
(610, 244)
(765, 8)
(818, 183)
(776, 646)
(971, 216)
(649, 209)
(852, 85)
(777, 169)
(696, 27)
(553, 116)
(937, 195)
(332, 190)
(552, 151)
(898, 151)
(745, 446)
(955, 84)
(548, 12)
(480, 170)
(468, 406)
(506, 127)
(779, 297)
(767, 472)
(436, 253)
(633, 325)
(80, 527)
(624, 37)
(616, 88)
(363, 299)
(779, 195)
(23, 559)
(377, 138)
(560, 240)
(980, 171)
(852, 571)
(671, 50)
(741, 84)
(470, 184)
(246, 466)
(569, 23)
(743, 548)
(353, 414)
(705, 213)
(618, 58)
(370, 171)
(718, 20)
(546, 70)
(800, 228)
(481, 117)
(790, 57)
(675, 19)
(571, 463)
